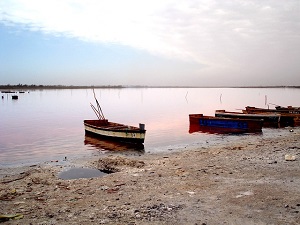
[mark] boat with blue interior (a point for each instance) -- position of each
(225, 125)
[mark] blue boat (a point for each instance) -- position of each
(225, 125)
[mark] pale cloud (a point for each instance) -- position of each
(223, 35)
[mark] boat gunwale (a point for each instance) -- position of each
(244, 114)
(117, 127)
(198, 116)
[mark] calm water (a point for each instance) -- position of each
(47, 125)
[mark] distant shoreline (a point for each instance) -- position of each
(38, 87)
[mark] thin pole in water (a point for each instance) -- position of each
(95, 111)
(99, 113)
(266, 99)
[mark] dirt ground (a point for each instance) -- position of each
(238, 183)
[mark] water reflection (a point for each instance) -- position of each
(103, 144)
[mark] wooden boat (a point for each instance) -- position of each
(289, 109)
(288, 117)
(104, 144)
(293, 112)
(269, 119)
(110, 130)
(278, 109)
(117, 131)
(226, 125)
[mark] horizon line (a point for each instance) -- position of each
(34, 86)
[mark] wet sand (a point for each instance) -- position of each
(244, 182)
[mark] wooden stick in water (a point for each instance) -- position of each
(95, 111)
(99, 107)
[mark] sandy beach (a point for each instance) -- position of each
(244, 182)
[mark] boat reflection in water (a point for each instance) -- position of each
(104, 144)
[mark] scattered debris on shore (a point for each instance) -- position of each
(238, 183)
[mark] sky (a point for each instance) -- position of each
(157, 42)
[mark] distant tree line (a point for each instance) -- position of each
(34, 86)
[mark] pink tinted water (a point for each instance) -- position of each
(47, 125)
